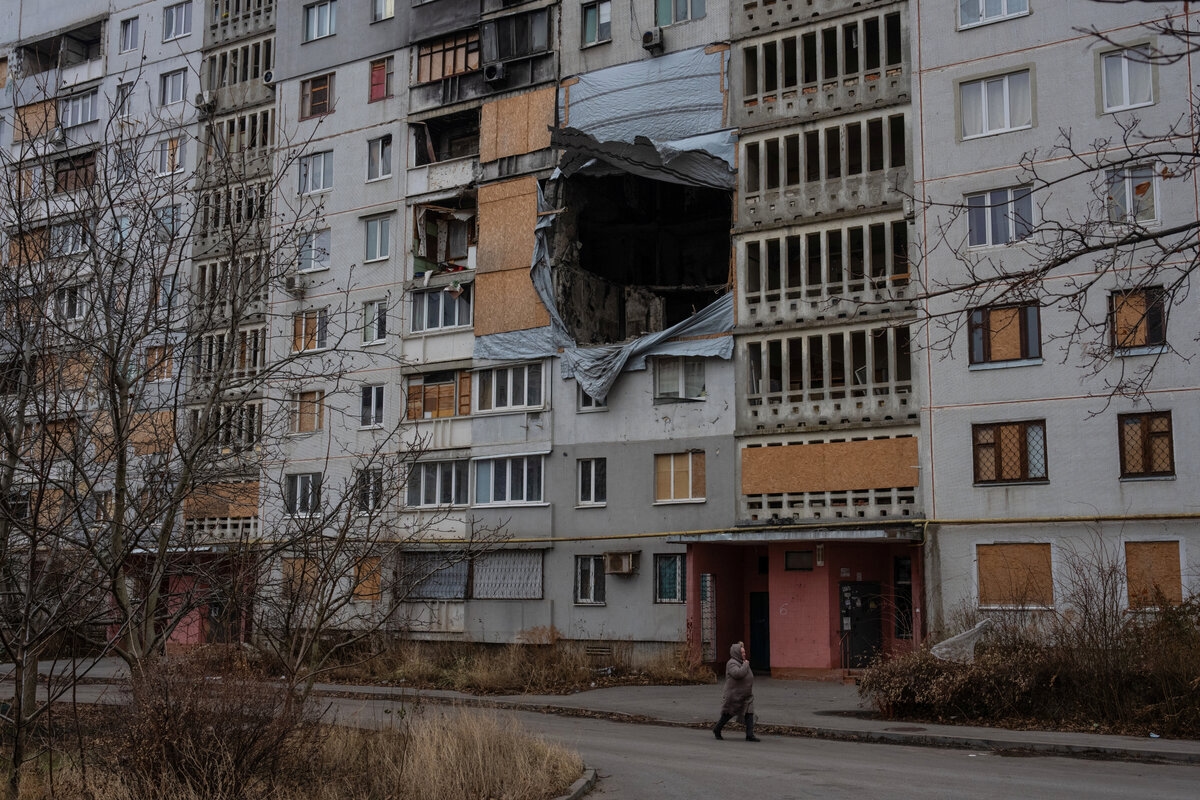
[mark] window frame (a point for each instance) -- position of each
(172, 87)
(382, 9)
(169, 155)
(128, 38)
(999, 454)
(675, 370)
(317, 95)
(593, 566)
(374, 327)
(1153, 319)
(980, 339)
(665, 12)
(984, 19)
(1010, 207)
(680, 595)
(307, 185)
(1130, 208)
(314, 250)
(591, 482)
(372, 405)
(379, 158)
(380, 90)
(1146, 439)
(79, 109)
(421, 473)
(600, 36)
(1126, 62)
(378, 238)
(302, 494)
(501, 401)
(532, 480)
(312, 399)
(586, 404)
(419, 306)
(318, 17)
(693, 476)
(319, 334)
(986, 125)
(175, 24)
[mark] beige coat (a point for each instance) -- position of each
(739, 685)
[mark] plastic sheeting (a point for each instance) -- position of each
(661, 118)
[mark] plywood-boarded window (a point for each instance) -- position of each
(159, 363)
(1152, 574)
(308, 411)
(1138, 318)
(439, 394)
(451, 55)
(1010, 452)
(368, 585)
(679, 476)
(29, 247)
(1015, 575)
(34, 120)
(309, 330)
(1007, 333)
(1146, 446)
(300, 577)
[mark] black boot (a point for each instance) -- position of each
(750, 737)
(721, 724)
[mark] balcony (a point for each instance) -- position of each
(442, 176)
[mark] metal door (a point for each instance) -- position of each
(759, 648)
(862, 623)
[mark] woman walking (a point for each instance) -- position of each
(739, 693)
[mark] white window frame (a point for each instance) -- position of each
(368, 489)
(588, 404)
(429, 309)
(1122, 183)
(371, 407)
(168, 159)
(314, 251)
(379, 158)
(320, 20)
(302, 493)
(382, 9)
(69, 238)
(589, 573)
(378, 238)
(129, 40)
(591, 484)
(177, 21)
(448, 480)
(316, 172)
(680, 595)
(374, 328)
(123, 104)
(675, 378)
(492, 490)
(79, 109)
(988, 11)
(322, 322)
(1010, 119)
(1125, 66)
(495, 388)
(603, 13)
(673, 7)
(70, 303)
(1010, 209)
(172, 87)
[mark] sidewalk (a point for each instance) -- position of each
(824, 709)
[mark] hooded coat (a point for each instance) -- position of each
(739, 685)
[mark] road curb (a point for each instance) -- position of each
(580, 787)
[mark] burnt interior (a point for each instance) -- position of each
(636, 256)
(446, 137)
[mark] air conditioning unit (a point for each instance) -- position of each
(268, 78)
(294, 285)
(621, 563)
(652, 39)
(493, 73)
(206, 103)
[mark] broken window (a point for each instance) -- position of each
(450, 55)
(1005, 333)
(444, 138)
(1138, 318)
(516, 36)
(875, 361)
(78, 172)
(443, 236)
(445, 393)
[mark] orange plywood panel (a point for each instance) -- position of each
(830, 467)
(237, 499)
(507, 302)
(1015, 575)
(516, 125)
(507, 217)
(1152, 568)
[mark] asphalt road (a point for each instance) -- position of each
(650, 762)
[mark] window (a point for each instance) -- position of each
(1152, 574)
(1127, 78)
(996, 105)
(589, 403)
(308, 411)
(442, 237)
(374, 321)
(593, 481)
(679, 378)
(379, 158)
(177, 21)
(380, 87)
(72, 174)
(670, 11)
(123, 102)
(441, 308)
(507, 575)
(314, 251)
(451, 55)
(168, 156)
(159, 363)
(444, 393)
(670, 578)
(302, 493)
(129, 35)
(368, 490)
(69, 304)
(309, 330)
(299, 578)
(977, 12)
(79, 109)
(368, 578)
(316, 96)
(589, 580)
(1132, 195)
(378, 230)
(372, 407)
(801, 560)
(438, 483)
(69, 238)
(316, 172)
(516, 36)
(1146, 446)
(1138, 318)
(172, 87)
(999, 217)
(382, 9)
(168, 219)
(432, 576)
(1010, 452)
(510, 387)
(597, 22)
(1015, 575)
(508, 480)
(1004, 333)
(320, 20)
(679, 477)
